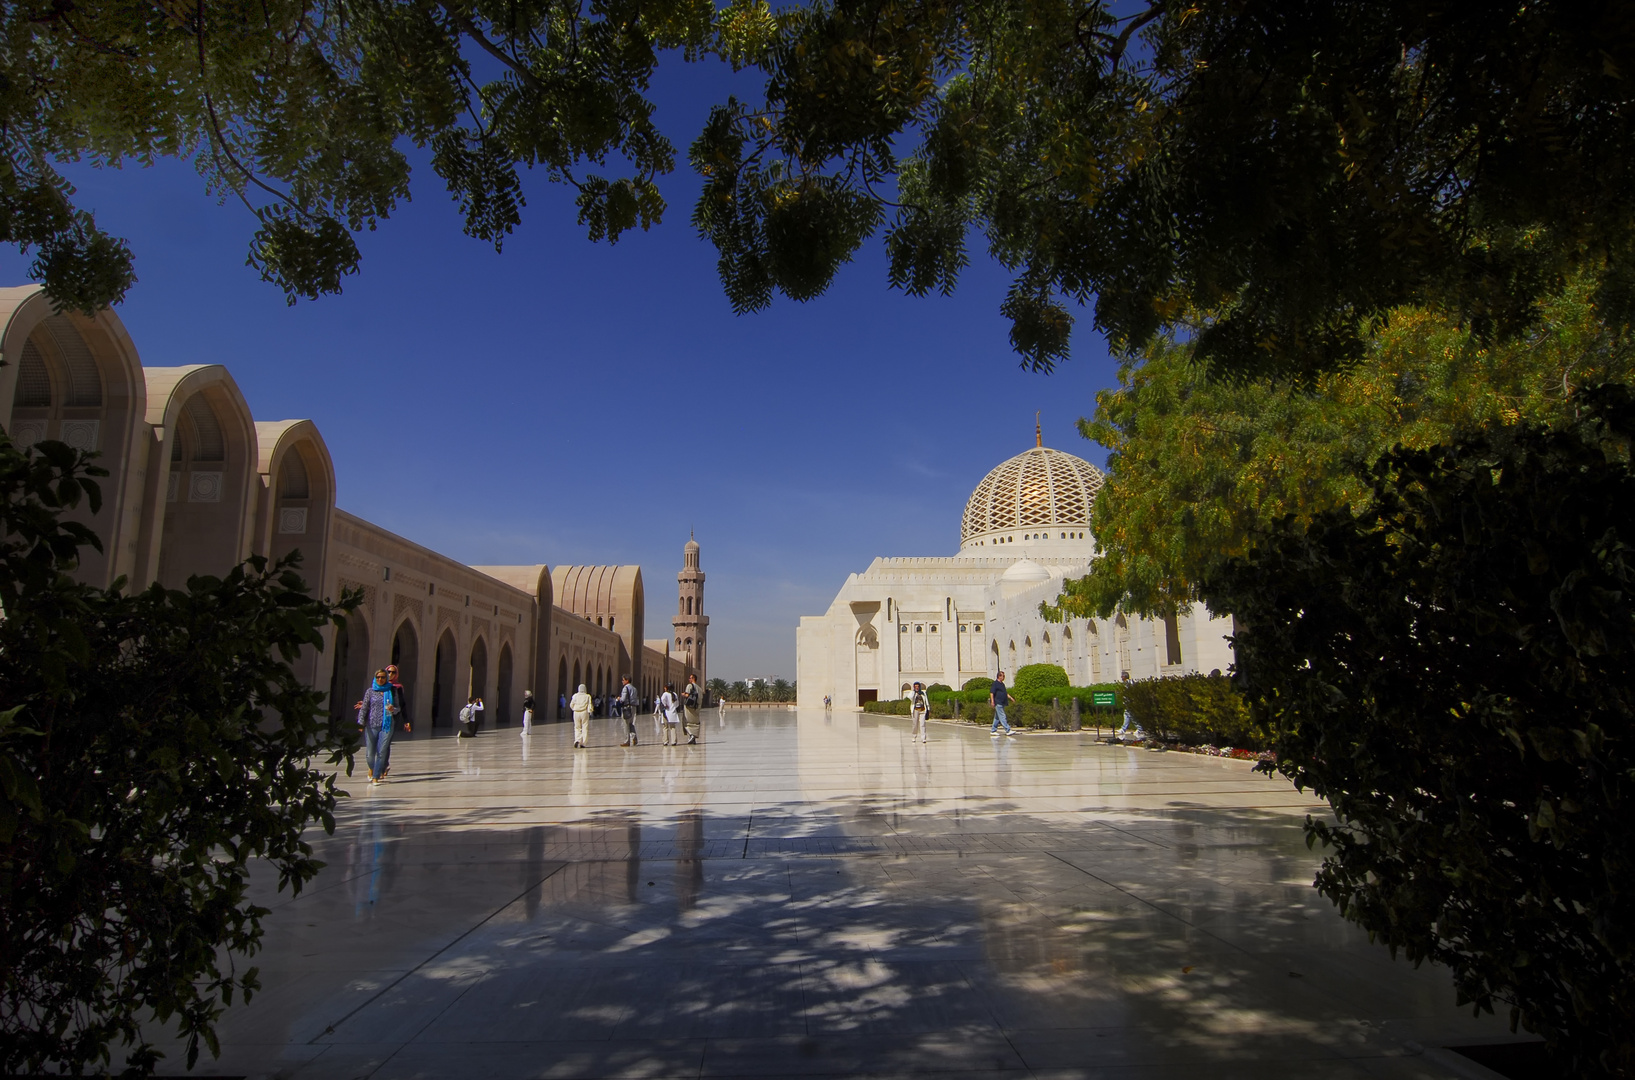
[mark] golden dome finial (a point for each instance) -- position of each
(1038, 432)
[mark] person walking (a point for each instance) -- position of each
(919, 709)
(581, 705)
(1129, 720)
(375, 715)
(627, 710)
(400, 717)
(670, 714)
(527, 710)
(999, 697)
(658, 716)
(690, 700)
(561, 706)
(394, 678)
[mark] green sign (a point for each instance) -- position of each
(1103, 697)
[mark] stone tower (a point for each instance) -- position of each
(691, 624)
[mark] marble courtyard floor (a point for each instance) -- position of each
(809, 894)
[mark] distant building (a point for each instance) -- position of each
(197, 485)
(691, 626)
(948, 620)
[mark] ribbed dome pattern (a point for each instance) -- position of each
(1041, 487)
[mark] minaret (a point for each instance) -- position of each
(691, 625)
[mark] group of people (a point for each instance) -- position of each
(919, 709)
(676, 714)
(600, 704)
(381, 705)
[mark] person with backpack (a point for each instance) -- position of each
(375, 715)
(627, 710)
(582, 705)
(919, 708)
(527, 710)
(670, 714)
(470, 717)
(690, 701)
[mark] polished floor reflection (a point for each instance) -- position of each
(810, 894)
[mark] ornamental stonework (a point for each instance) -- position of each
(409, 604)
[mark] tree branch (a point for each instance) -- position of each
(518, 68)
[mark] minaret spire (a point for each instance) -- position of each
(1038, 432)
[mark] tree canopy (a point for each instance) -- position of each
(1285, 173)
(1199, 467)
(1449, 665)
(151, 746)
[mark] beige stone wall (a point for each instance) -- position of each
(611, 597)
(197, 485)
(452, 629)
(583, 652)
(82, 383)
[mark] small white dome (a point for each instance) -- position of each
(1024, 572)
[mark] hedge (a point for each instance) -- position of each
(1195, 709)
(973, 707)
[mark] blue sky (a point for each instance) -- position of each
(570, 402)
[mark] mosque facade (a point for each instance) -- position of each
(196, 485)
(950, 619)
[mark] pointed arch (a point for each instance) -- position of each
(442, 682)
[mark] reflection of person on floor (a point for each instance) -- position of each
(375, 714)
(670, 714)
(919, 707)
(689, 867)
(581, 706)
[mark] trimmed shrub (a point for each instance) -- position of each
(937, 687)
(1039, 677)
(1195, 709)
(981, 682)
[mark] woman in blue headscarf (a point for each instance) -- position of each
(375, 713)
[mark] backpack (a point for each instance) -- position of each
(466, 714)
(692, 699)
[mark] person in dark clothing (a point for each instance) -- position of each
(627, 709)
(999, 697)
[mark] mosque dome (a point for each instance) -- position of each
(1024, 572)
(1038, 496)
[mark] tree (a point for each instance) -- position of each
(1289, 173)
(1452, 666)
(1285, 173)
(151, 746)
(302, 109)
(1197, 466)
